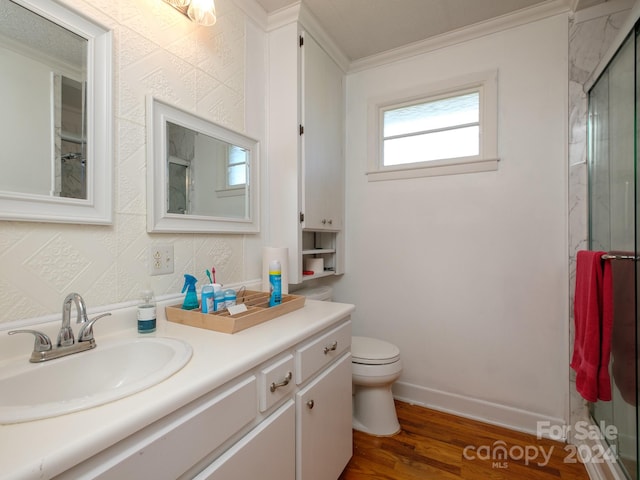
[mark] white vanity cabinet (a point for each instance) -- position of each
(285, 418)
(306, 158)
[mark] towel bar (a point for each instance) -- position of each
(608, 256)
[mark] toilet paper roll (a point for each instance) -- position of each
(282, 255)
(315, 265)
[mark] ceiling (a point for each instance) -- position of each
(362, 28)
(28, 33)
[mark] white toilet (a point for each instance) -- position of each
(375, 366)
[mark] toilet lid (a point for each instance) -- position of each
(371, 351)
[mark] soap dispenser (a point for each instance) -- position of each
(147, 313)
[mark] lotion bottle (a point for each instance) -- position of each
(147, 313)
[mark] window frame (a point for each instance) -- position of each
(485, 83)
(231, 164)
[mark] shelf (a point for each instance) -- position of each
(318, 251)
(326, 273)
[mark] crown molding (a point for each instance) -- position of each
(284, 16)
(311, 24)
(299, 13)
(254, 11)
(464, 34)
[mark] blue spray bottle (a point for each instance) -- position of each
(191, 298)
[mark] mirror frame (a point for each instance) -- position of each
(158, 219)
(97, 207)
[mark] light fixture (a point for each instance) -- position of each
(202, 12)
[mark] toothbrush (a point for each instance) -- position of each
(209, 275)
(213, 270)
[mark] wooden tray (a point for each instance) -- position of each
(258, 311)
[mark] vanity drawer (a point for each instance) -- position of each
(268, 451)
(275, 381)
(315, 355)
(172, 445)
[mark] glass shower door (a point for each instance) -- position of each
(612, 228)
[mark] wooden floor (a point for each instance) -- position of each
(435, 445)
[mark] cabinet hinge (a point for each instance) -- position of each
(301, 217)
(301, 40)
(301, 129)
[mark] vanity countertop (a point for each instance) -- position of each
(41, 449)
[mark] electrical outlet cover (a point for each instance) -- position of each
(160, 259)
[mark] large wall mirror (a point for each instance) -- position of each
(201, 176)
(56, 123)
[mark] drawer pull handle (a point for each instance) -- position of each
(283, 383)
(310, 404)
(332, 348)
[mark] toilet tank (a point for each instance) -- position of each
(316, 293)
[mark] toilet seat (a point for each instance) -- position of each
(372, 351)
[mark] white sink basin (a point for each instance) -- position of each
(83, 380)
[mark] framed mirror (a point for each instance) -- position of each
(201, 176)
(56, 120)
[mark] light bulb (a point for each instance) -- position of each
(202, 12)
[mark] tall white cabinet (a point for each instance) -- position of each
(306, 159)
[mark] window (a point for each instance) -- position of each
(232, 172)
(442, 131)
(236, 167)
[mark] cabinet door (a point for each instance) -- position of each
(322, 114)
(323, 427)
(267, 452)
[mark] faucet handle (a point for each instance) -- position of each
(42, 342)
(86, 331)
(65, 337)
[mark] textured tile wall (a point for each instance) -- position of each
(159, 52)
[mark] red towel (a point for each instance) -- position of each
(592, 344)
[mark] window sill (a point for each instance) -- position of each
(231, 192)
(475, 166)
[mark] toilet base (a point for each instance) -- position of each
(374, 411)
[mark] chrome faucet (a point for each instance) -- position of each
(43, 349)
(65, 336)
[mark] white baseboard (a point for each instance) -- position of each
(468, 407)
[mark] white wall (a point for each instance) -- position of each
(25, 164)
(468, 274)
(216, 72)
